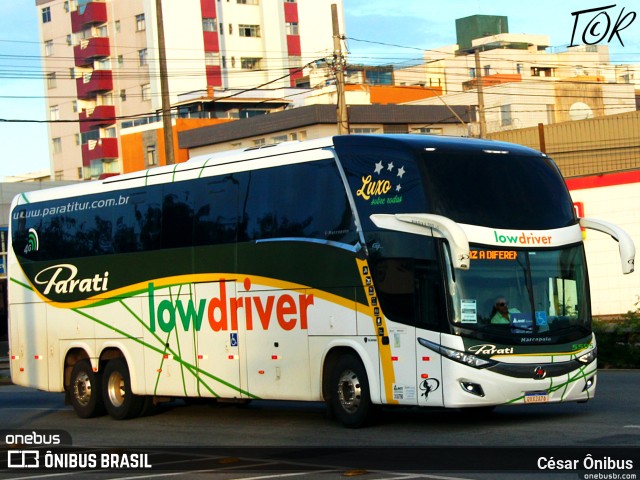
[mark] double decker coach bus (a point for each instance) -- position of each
(357, 270)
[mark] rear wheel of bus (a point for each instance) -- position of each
(85, 390)
(350, 399)
(119, 401)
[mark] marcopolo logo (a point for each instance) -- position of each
(522, 238)
(223, 312)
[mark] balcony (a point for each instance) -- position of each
(90, 85)
(99, 149)
(101, 116)
(93, 13)
(492, 80)
(89, 50)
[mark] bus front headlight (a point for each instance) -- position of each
(456, 355)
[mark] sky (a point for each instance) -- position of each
(377, 31)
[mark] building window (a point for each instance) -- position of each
(259, 141)
(152, 157)
(140, 23)
(279, 138)
(146, 91)
(209, 25)
(505, 115)
(230, 29)
(472, 72)
(292, 28)
(117, 26)
(80, 173)
(69, 40)
(57, 145)
(427, 131)
(290, 1)
(487, 70)
(72, 73)
(364, 130)
(120, 60)
(212, 59)
(51, 80)
(74, 106)
(142, 57)
(519, 68)
(295, 61)
(221, 28)
(46, 14)
(123, 95)
(54, 113)
(77, 138)
(248, 2)
(249, 30)
(48, 48)
(250, 63)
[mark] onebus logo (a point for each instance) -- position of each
(222, 312)
(523, 239)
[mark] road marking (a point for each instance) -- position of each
(632, 426)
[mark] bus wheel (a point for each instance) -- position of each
(86, 396)
(116, 390)
(350, 401)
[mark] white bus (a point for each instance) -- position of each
(358, 270)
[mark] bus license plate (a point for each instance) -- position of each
(536, 397)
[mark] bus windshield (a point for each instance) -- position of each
(536, 295)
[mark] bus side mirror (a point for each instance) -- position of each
(430, 226)
(625, 242)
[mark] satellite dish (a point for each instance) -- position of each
(580, 111)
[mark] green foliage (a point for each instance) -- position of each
(619, 340)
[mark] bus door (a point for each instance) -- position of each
(276, 342)
(217, 343)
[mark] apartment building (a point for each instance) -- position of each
(100, 59)
(525, 81)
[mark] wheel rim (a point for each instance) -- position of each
(115, 389)
(349, 391)
(82, 389)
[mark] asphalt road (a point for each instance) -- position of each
(610, 421)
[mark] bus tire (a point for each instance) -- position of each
(350, 400)
(85, 390)
(120, 402)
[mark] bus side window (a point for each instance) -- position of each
(177, 215)
(306, 200)
(216, 212)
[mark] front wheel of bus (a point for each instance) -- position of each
(350, 400)
(85, 390)
(121, 403)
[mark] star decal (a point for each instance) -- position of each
(390, 167)
(401, 171)
(378, 168)
(398, 188)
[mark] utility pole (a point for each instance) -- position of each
(339, 64)
(167, 127)
(483, 122)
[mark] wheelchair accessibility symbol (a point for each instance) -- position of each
(233, 339)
